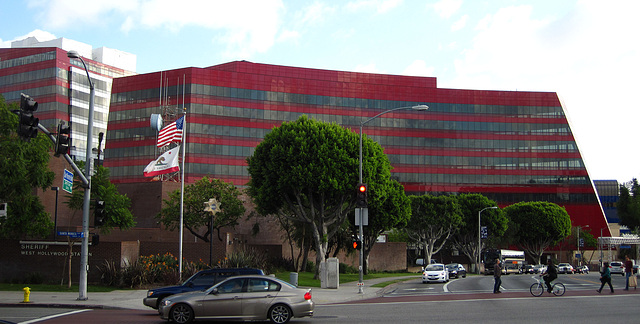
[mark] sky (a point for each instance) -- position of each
(586, 51)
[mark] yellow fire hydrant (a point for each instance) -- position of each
(27, 292)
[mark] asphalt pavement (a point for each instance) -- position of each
(132, 299)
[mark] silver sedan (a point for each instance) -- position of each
(240, 298)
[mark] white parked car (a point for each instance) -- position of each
(565, 268)
(616, 267)
(435, 272)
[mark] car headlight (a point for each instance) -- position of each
(149, 293)
(166, 302)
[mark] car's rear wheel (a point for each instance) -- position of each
(181, 314)
(280, 314)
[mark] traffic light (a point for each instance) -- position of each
(356, 243)
(63, 139)
(361, 195)
(99, 213)
(28, 124)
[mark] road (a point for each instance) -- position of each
(460, 300)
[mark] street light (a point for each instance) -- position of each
(581, 256)
(479, 242)
(418, 107)
(84, 253)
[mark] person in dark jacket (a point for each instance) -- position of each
(497, 272)
(628, 270)
(605, 277)
(550, 274)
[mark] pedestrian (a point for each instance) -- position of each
(605, 277)
(628, 270)
(497, 272)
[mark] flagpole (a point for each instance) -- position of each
(184, 148)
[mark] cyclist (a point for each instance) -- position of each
(550, 274)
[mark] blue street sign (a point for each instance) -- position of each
(71, 234)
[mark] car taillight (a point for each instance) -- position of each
(307, 295)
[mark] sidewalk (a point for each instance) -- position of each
(132, 299)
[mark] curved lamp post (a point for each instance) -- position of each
(84, 253)
(479, 242)
(418, 107)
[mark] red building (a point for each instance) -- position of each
(510, 146)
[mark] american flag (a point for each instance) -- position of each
(171, 133)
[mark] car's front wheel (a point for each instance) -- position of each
(181, 314)
(280, 314)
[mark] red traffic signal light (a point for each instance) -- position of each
(361, 195)
(357, 244)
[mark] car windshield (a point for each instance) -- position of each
(434, 267)
(451, 266)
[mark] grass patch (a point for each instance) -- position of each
(305, 279)
(53, 288)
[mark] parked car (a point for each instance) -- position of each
(456, 270)
(540, 268)
(616, 267)
(420, 262)
(435, 272)
(529, 269)
(565, 268)
(199, 281)
(253, 297)
(582, 269)
(635, 268)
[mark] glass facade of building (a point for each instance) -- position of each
(60, 87)
(510, 146)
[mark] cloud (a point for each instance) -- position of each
(380, 6)
(446, 8)
(419, 68)
(460, 23)
(587, 55)
(40, 35)
(244, 27)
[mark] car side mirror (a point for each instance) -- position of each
(214, 291)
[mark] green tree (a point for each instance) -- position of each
(433, 221)
(389, 208)
(629, 205)
(194, 215)
(117, 206)
(540, 225)
(308, 170)
(465, 239)
(24, 166)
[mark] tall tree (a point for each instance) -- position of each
(540, 225)
(465, 239)
(308, 170)
(389, 208)
(433, 221)
(195, 217)
(24, 166)
(629, 205)
(117, 206)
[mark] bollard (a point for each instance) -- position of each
(27, 292)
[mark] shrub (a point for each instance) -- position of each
(345, 268)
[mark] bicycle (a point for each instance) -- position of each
(538, 288)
